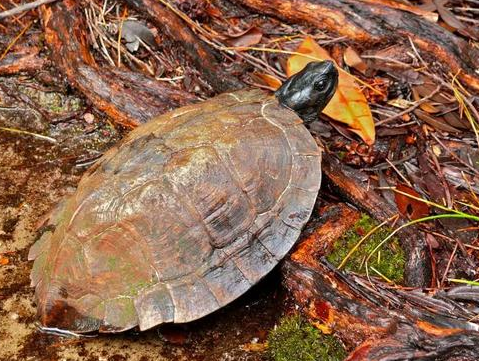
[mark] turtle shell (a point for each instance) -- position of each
(182, 217)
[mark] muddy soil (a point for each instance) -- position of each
(38, 169)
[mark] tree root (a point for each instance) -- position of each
(373, 22)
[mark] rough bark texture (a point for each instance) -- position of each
(127, 97)
(348, 182)
(375, 23)
(376, 324)
(203, 57)
(24, 60)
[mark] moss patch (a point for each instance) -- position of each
(388, 260)
(294, 339)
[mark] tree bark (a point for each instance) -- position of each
(24, 60)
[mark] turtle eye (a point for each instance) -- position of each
(319, 85)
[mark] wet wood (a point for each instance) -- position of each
(129, 98)
(204, 58)
(377, 23)
(350, 183)
(25, 60)
(338, 220)
(374, 323)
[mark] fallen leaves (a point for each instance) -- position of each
(133, 31)
(269, 81)
(348, 105)
(410, 207)
(353, 60)
(249, 37)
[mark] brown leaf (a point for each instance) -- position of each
(348, 105)
(437, 123)
(426, 13)
(410, 207)
(454, 120)
(249, 37)
(352, 59)
(448, 16)
(426, 106)
(427, 87)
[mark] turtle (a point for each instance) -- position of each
(186, 213)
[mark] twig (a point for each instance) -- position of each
(470, 167)
(12, 43)
(25, 7)
(446, 271)
(19, 131)
(17, 20)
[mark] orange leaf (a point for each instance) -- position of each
(4, 261)
(410, 207)
(353, 60)
(268, 80)
(348, 105)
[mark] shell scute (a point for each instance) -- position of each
(181, 218)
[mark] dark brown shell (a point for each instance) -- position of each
(183, 217)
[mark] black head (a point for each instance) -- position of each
(310, 90)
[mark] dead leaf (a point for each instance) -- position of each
(454, 120)
(4, 261)
(269, 80)
(418, 10)
(249, 37)
(447, 15)
(410, 207)
(426, 106)
(353, 60)
(400, 103)
(348, 105)
(133, 31)
(427, 87)
(437, 123)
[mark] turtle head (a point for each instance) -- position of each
(310, 90)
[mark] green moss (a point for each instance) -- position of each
(388, 260)
(294, 339)
(53, 102)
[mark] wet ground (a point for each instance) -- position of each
(38, 169)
